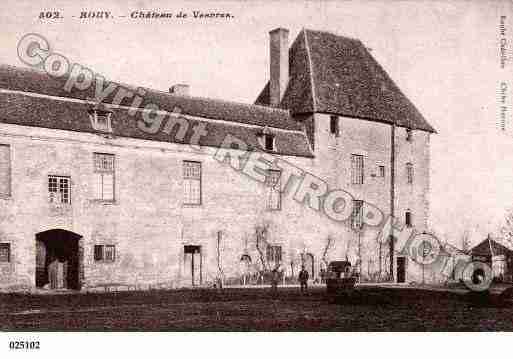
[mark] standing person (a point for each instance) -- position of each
(303, 279)
(323, 276)
(274, 279)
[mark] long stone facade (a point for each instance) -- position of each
(148, 237)
(149, 225)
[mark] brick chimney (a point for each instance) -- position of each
(179, 90)
(279, 60)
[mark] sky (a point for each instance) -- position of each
(443, 55)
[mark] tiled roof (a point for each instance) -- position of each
(335, 74)
(483, 248)
(221, 117)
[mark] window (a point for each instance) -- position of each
(409, 135)
(110, 253)
(103, 176)
(191, 249)
(407, 219)
(59, 189)
(381, 171)
(409, 172)
(334, 126)
(356, 216)
(273, 254)
(274, 183)
(192, 182)
(105, 253)
(266, 139)
(98, 253)
(5, 252)
(356, 169)
(269, 142)
(101, 120)
(5, 170)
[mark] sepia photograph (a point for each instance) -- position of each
(254, 166)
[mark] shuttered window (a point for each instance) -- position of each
(105, 253)
(356, 216)
(5, 252)
(409, 172)
(356, 169)
(59, 189)
(103, 177)
(274, 183)
(192, 182)
(98, 252)
(5, 170)
(273, 254)
(110, 253)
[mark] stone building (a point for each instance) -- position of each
(497, 256)
(151, 188)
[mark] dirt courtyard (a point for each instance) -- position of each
(252, 309)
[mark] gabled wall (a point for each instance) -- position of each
(373, 141)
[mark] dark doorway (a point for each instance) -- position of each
(193, 264)
(58, 259)
(401, 269)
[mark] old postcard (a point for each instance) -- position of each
(255, 166)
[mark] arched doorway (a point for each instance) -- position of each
(58, 259)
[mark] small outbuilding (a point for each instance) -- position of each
(497, 256)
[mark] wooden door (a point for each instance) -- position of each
(401, 269)
(193, 264)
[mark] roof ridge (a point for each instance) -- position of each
(344, 79)
(250, 105)
(334, 34)
(310, 69)
(141, 109)
(148, 89)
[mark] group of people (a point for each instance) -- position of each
(302, 277)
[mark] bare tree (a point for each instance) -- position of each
(219, 264)
(261, 241)
(292, 265)
(329, 242)
(348, 248)
(507, 227)
(465, 241)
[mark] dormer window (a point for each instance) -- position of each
(101, 120)
(267, 140)
(409, 137)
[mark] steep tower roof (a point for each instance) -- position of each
(336, 74)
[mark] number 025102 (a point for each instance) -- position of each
(24, 345)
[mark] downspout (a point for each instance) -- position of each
(392, 199)
(490, 244)
(491, 252)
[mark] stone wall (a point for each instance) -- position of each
(149, 225)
